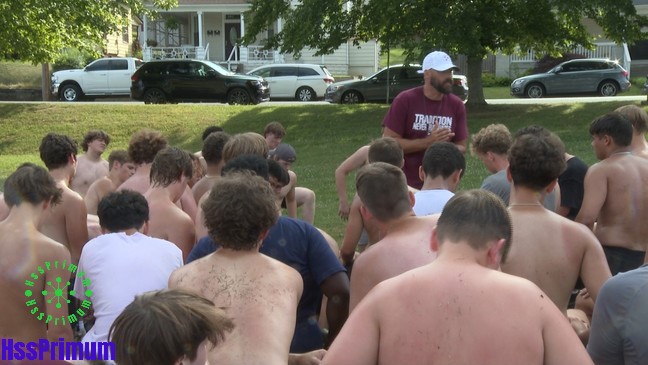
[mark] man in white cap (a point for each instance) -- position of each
(427, 114)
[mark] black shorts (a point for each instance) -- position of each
(622, 259)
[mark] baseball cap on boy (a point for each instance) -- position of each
(285, 152)
(438, 61)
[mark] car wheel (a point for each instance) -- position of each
(305, 93)
(154, 96)
(351, 97)
(238, 96)
(70, 93)
(535, 91)
(608, 88)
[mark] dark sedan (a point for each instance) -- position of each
(374, 88)
(195, 80)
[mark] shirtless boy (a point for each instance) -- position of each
(258, 293)
(90, 166)
(384, 149)
(639, 119)
(29, 192)
(405, 242)
(212, 153)
(168, 327)
(295, 196)
(248, 143)
(550, 250)
(170, 171)
(121, 168)
(459, 309)
(142, 148)
(273, 133)
(616, 195)
(66, 222)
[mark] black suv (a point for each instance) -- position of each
(164, 81)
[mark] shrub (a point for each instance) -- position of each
(72, 58)
(547, 62)
(490, 80)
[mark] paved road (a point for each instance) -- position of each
(587, 99)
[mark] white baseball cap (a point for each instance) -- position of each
(438, 61)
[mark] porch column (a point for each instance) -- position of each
(242, 25)
(145, 37)
(200, 29)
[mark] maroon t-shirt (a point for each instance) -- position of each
(412, 116)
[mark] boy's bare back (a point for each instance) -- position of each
(171, 223)
(258, 293)
(616, 196)
(66, 222)
(552, 251)
(405, 247)
(22, 251)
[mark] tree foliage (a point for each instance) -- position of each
(38, 30)
(474, 28)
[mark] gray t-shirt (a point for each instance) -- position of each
(619, 332)
(498, 184)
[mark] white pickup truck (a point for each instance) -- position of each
(101, 78)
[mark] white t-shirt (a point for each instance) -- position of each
(120, 267)
(427, 202)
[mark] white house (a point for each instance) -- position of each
(211, 29)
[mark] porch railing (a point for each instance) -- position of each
(165, 53)
(257, 53)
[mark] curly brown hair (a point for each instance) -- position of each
(536, 159)
(239, 209)
(494, 138)
(144, 145)
(91, 136)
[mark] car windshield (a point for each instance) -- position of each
(220, 69)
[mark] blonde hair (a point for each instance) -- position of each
(248, 143)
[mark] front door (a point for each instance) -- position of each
(232, 36)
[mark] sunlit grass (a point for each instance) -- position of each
(323, 135)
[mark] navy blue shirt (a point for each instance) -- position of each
(300, 245)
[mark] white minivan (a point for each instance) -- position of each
(300, 81)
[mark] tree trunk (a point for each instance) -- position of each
(476, 92)
(46, 82)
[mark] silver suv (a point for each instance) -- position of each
(302, 81)
(587, 75)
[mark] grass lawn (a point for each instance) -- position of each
(323, 135)
(18, 75)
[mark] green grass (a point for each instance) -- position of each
(323, 135)
(18, 75)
